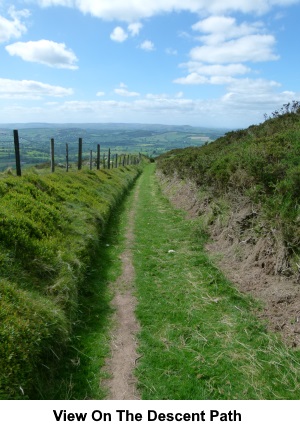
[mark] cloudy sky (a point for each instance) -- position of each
(218, 63)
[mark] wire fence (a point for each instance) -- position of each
(76, 154)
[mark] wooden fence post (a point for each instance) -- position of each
(17, 152)
(98, 156)
(116, 160)
(108, 159)
(103, 161)
(91, 159)
(67, 157)
(80, 153)
(52, 155)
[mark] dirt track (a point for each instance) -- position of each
(121, 364)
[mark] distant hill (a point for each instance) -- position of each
(113, 126)
(148, 139)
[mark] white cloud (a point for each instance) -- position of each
(14, 89)
(221, 28)
(244, 103)
(195, 79)
(254, 48)
(100, 94)
(250, 90)
(192, 79)
(14, 28)
(227, 42)
(46, 52)
(119, 35)
(125, 93)
(157, 96)
(216, 74)
(147, 45)
(225, 46)
(134, 10)
(171, 51)
(163, 96)
(216, 69)
(122, 91)
(135, 28)
(248, 97)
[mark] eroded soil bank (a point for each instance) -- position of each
(252, 257)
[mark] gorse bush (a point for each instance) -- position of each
(50, 225)
(261, 161)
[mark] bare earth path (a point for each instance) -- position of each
(121, 364)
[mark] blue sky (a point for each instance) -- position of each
(216, 63)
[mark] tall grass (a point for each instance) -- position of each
(50, 226)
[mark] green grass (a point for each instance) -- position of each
(261, 162)
(82, 368)
(50, 227)
(200, 338)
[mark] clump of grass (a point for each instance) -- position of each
(50, 227)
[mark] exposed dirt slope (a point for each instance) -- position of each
(257, 264)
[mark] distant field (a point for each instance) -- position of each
(150, 140)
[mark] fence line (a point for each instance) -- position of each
(112, 161)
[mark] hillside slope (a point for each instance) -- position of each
(245, 187)
(50, 227)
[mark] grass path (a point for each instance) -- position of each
(199, 337)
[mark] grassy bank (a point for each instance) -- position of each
(50, 226)
(261, 162)
(199, 336)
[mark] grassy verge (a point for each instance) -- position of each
(199, 338)
(260, 162)
(50, 226)
(82, 368)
